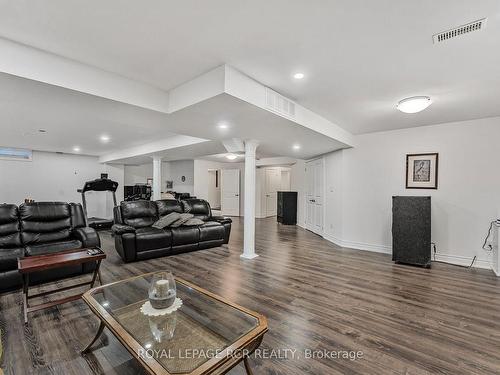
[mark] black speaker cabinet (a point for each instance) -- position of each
(411, 230)
(287, 207)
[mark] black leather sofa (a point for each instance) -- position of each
(41, 228)
(136, 239)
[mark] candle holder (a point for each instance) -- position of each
(162, 291)
(163, 327)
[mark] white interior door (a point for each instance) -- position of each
(314, 196)
(310, 196)
(230, 192)
(272, 185)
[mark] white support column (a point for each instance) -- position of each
(156, 178)
(249, 209)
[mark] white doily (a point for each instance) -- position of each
(149, 310)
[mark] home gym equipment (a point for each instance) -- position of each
(137, 192)
(99, 184)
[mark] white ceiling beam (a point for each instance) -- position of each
(267, 162)
(151, 148)
(198, 89)
(234, 145)
(245, 88)
(31, 63)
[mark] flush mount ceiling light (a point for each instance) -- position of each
(414, 104)
(231, 156)
(76, 149)
(105, 138)
(296, 147)
(298, 75)
(222, 125)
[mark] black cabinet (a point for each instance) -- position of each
(411, 230)
(287, 207)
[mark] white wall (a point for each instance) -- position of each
(361, 182)
(138, 174)
(174, 170)
(56, 177)
(201, 168)
(170, 170)
(334, 204)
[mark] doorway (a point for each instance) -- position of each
(314, 196)
(230, 192)
(214, 192)
(272, 185)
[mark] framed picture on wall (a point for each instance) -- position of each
(422, 171)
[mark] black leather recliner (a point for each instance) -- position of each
(41, 228)
(136, 239)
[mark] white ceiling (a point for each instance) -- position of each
(73, 119)
(195, 151)
(359, 57)
(276, 134)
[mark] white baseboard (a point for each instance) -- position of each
(460, 260)
(446, 258)
(302, 225)
(359, 245)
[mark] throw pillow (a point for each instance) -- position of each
(181, 220)
(194, 221)
(167, 220)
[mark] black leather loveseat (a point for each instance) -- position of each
(136, 239)
(41, 228)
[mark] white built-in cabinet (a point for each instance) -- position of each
(270, 180)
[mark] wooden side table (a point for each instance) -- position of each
(37, 263)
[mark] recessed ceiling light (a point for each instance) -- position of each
(414, 104)
(296, 147)
(231, 156)
(222, 125)
(76, 149)
(105, 138)
(42, 131)
(298, 75)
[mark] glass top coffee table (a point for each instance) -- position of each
(206, 335)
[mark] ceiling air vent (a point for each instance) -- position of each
(279, 104)
(461, 30)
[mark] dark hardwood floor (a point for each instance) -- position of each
(405, 320)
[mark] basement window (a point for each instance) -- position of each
(19, 154)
